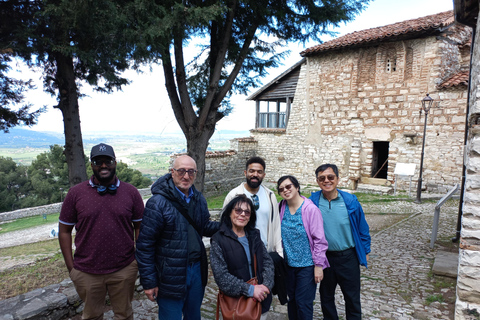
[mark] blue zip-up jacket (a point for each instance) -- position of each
(360, 229)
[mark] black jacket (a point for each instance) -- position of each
(162, 246)
(230, 265)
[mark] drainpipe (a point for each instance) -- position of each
(464, 169)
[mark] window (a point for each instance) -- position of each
(391, 60)
(273, 114)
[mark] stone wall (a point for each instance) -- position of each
(224, 169)
(346, 100)
(46, 209)
(468, 281)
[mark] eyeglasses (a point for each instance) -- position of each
(239, 211)
(287, 187)
(256, 202)
(181, 172)
(100, 162)
(330, 177)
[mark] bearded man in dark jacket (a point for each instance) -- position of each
(171, 257)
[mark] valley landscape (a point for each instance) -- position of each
(148, 153)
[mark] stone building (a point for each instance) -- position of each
(355, 101)
(468, 280)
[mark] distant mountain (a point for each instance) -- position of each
(20, 138)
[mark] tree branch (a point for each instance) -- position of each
(188, 113)
(238, 65)
(172, 89)
(218, 65)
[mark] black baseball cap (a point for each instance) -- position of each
(102, 149)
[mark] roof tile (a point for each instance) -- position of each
(414, 26)
(460, 78)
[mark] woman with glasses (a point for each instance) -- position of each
(304, 247)
(233, 251)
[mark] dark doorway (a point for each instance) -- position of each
(380, 159)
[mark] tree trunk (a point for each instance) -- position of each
(197, 144)
(68, 104)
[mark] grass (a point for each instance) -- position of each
(42, 247)
(41, 274)
(28, 222)
(374, 198)
(434, 298)
(216, 202)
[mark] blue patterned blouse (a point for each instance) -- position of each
(295, 240)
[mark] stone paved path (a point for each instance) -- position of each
(397, 283)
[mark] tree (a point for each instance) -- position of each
(73, 42)
(12, 93)
(48, 175)
(238, 41)
(132, 176)
(14, 185)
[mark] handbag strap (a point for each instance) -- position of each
(218, 306)
(186, 214)
(255, 265)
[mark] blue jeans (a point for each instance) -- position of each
(173, 309)
(301, 289)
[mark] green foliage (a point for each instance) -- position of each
(72, 42)
(46, 180)
(91, 32)
(132, 176)
(14, 185)
(49, 176)
(435, 298)
(12, 93)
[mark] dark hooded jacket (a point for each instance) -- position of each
(162, 245)
(230, 265)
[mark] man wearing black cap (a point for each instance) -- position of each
(106, 214)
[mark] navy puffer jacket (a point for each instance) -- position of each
(162, 245)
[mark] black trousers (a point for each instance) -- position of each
(345, 271)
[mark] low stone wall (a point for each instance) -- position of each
(53, 302)
(57, 301)
(46, 209)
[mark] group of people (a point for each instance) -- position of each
(302, 242)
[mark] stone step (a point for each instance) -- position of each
(375, 189)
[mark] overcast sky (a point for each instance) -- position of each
(144, 107)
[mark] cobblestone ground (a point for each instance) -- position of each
(398, 281)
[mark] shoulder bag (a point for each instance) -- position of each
(240, 308)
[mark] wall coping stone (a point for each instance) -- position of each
(46, 209)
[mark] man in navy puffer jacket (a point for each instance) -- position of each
(171, 257)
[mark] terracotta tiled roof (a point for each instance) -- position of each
(404, 28)
(246, 139)
(457, 79)
(218, 154)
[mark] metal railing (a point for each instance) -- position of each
(271, 119)
(436, 216)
